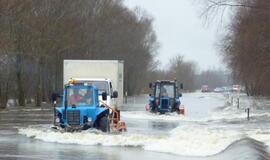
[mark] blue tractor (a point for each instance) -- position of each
(81, 109)
(165, 97)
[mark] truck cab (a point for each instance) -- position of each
(165, 97)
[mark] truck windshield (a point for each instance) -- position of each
(79, 96)
(103, 86)
(165, 90)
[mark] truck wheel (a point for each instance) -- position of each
(104, 124)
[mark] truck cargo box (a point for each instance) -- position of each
(97, 69)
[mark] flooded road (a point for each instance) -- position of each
(213, 128)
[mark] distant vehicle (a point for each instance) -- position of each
(229, 89)
(236, 88)
(205, 88)
(106, 75)
(165, 97)
(226, 89)
(80, 109)
(219, 90)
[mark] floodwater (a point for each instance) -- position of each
(212, 128)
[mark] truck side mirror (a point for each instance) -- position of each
(104, 96)
(54, 97)
(115, 94)
(181, 86)
(150, 85)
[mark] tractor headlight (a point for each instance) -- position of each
(89, 119)
(57, 120)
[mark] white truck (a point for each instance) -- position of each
(106, 75)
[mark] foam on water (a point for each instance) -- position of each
(195, 141)
(145, 115)
(190, 139)
(230, 115)
(262, 135)
(91, 137)
(214, 116)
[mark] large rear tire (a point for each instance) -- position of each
(104, 124)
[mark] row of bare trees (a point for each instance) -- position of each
(177, 69)
(186, 72)
(35, 37)
(246, 46)
(213, 78)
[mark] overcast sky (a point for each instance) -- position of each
(180, 30)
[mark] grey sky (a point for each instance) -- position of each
(180, 30)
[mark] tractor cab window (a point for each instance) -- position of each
(166, 90)
(79, 96)
(157, 90)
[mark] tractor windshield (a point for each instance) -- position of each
(79, 96)
(165, 90)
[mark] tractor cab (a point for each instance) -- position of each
(165, 96)
(80, 109)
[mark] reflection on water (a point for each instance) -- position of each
(165, 126)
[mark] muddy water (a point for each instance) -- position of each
(211, 129)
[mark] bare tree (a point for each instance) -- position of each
(37, 35)
(245, 48)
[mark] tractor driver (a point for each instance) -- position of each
(163, 91)
(76, 97)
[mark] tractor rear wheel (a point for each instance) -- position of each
(104, 124)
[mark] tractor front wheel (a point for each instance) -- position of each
(104, 124)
